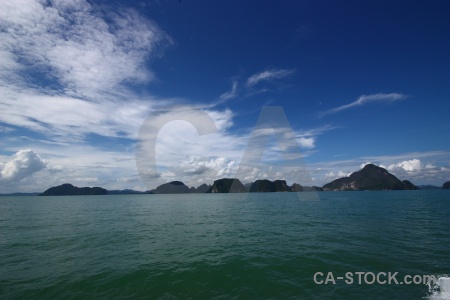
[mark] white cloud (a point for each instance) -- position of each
(57, 168)
(411, 165)
(364, 164)
(65, 66)
(86, 179)
(343, 174)
(305, 138)
(407, 165)
(71, 41)
(24, 164)
(68, 117)
(246, 89)
(306, 143)
(268, 75)
(364, 99)
(316, 131)
(332, 175)
(212, 167)
(232, 93)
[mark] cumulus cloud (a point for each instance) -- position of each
(212, 167)
(411, 165)
(24, 164)
(365, 99)
(268, 75)
(332, 175)
(364, 164)
(407, 165)
(306, 143)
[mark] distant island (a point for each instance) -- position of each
(264, 186)
(370, 177)
(174, 187)
(19, 194)
(227, 185)
(231, 185)
(124, 192)
(68, 189)
(429, 187)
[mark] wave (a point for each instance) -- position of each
(440, 290)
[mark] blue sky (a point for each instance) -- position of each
(359, 82)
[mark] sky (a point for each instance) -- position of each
(133, 94)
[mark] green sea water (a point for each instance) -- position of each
(222, 246)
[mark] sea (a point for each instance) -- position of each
(227, 246)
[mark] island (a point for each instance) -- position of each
(429, 187)
(446, 185)
(68, 189)
(125, 192)
(227, 185)
(265, 185)
(203, 188)
(297, 188)
(371, 177)
(178, 187)
(174, 187)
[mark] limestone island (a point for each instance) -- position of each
(371, 177)
(69, 190)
